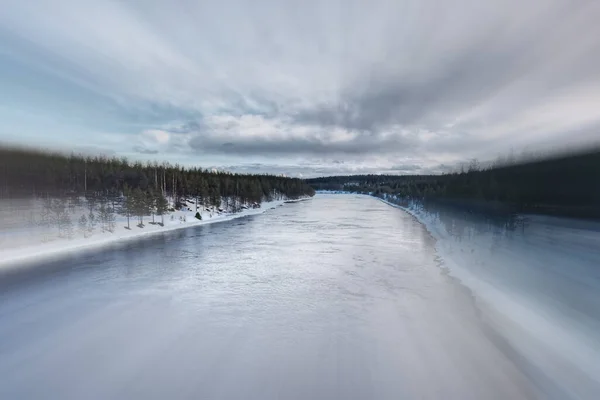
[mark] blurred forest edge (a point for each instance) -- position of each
(107, 187)
(562, 185)
(29, 173)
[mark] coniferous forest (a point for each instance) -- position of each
(108, 187)
(566, 185)
(27, 173)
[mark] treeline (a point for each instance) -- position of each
(567, 185)
(27, 173)
(58, 217)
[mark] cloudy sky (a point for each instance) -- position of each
(301, 87)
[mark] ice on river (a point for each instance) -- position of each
(338, 297)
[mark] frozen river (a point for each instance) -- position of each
(338, 297)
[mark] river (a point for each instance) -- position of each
(340, 296)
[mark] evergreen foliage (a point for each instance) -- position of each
(162, 206)
(28, 173)
(83, 226)
(565, 185)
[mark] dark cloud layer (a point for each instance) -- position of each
(469, 77)
(365, 143)
(407, 85)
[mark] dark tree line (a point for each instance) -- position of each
(567, 185)
(28, 173)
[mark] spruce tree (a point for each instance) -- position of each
(161, 206)
(150, 203)
(128, 205)
(140, 205)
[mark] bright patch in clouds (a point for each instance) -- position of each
(311, 88)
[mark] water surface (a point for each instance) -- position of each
(341, 297)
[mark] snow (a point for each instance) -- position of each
(339, 297)
(20, 244)
(344, 288)
(536, 285)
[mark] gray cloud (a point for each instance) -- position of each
(364, 143)
(318, 168)
(405, 167)
(385, 85)
(186, 127)
(142, 150)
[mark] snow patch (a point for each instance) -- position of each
(16, 242)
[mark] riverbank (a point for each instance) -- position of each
(15, 254)
(341, 286)
(534, 284)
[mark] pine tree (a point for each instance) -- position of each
(83, 225)
(140, 205)
(161, 206)
(92, 222)
(110, 219)
(60, 217)
(103, 216)
(91, 202)
(150, 200)
(127, 205)
(66, 225)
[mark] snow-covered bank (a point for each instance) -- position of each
(316, 295)
(13, 254)
(535, 281)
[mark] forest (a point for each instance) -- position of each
(34, 173)
(565, 185)
(110, 186)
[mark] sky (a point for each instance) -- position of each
(304, 88)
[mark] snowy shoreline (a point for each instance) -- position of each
(28, 254)
(518, 317)
(431, 226)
